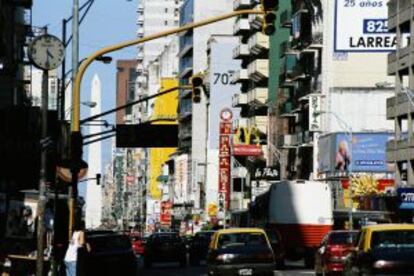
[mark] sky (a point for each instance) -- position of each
(107, 22)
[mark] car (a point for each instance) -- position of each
(138, 244)
(383, 249)
(278, 247)
(240, 251)
(165, 247)
(199, 246)
(331, 255)
(107, 253)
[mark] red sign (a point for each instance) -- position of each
(165, 216)
(247, 150)
(226, 129)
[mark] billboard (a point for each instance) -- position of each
(362, 26)
(367, 153)
(181, 179)
(406, 198)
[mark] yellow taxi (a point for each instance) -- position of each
(383, 249)
(240, 251)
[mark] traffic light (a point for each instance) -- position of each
(98, 179)
(269, 17)
(197, 88)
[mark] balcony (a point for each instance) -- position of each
(140, 31)
(140, 8)
(258, 70)
(287, 66)
(392, 63)
(256, 20)
(286, 141)
(287, 109)
(241, 4)
(400, 150)
(241, 51)
(257, 96)
(241, 26)
(140, 20)
(241, 122)
(239, 100)
(240, 76)
(398, 106)
(399, 13)
(258, 43)
(260, 122)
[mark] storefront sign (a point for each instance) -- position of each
(246, 142)
(267, 173)
(315, 121)
(406, 197)
(224, 154)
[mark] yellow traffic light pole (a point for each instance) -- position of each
(75, 125)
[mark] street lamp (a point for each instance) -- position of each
(348, 130)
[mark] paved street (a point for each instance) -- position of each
(173, 269)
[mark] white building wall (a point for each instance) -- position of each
(202, 10)
(93, 212)
(159, 15)
(37, 76)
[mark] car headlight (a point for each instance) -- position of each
(381, 264)
(225, 257)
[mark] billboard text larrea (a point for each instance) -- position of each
(373, 42)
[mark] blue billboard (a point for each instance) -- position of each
(368, 152)
(406, 198)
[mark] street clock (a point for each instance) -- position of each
(46, 52)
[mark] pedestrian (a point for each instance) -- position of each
(77, 242)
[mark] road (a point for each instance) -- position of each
(173, 269)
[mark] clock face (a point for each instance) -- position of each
(226, 114)
(46, 52)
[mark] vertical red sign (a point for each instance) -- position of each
(224, 154)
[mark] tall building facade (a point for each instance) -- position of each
(193, 59)
(253, 52)
(400, 107)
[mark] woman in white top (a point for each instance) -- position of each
(77, 241)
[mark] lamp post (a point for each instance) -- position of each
(76, 138)
(350, 136)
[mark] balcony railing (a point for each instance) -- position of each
(257, 96)
(258, 69)
(242, 50)
(241, 4)
(258, 43)
(241, 25)
(240, 76)
(239, 100)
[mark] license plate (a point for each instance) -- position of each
(245, 271)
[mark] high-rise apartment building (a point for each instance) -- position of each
(400, 107)
(193, 60)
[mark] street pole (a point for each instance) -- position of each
(73, 191)
(351, 202)
(75, 126)
(42, 183)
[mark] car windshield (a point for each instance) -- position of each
(241, 239)
(392, 238)
(343, 237)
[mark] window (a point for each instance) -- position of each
(166, 23)
(166, 10)
(241, 239)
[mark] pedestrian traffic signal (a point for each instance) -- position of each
(269, 17)
(197, 88)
